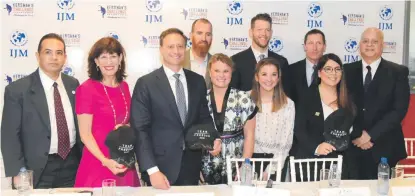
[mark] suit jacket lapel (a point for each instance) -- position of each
(303, 75)
(70, 90)
(192, 101)
(207, 76)
(381, 72)
(164, 86)
(316, 108)
(39, 100)
(252, 57)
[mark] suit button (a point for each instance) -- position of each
(364, 109)
(46, 154)
(48, 137)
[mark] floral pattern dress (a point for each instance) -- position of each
(238, 107)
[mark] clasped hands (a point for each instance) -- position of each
(363, 141)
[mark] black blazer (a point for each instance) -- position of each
(382, 108)
(298, 80)
(156, 120)
(25, 127)
(244, 69)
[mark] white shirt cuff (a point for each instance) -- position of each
(152, 170)
(315, 152)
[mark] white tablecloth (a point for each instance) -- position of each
(297, 189)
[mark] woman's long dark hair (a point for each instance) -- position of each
(343, 99)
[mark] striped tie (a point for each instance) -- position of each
(180, 98)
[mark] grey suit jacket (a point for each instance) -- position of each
(187, 65)
(25, 127)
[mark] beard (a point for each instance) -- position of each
(201, 47)
(259, 43)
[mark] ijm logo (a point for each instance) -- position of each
(68, 70)
(351, 45)
(353, 19)
(315, 10)
(19, 9)
(389, 47)
(9, 79)
(113, 11)
(276, 44)
(385, 14)
(279, 18)
(234, 8)
(18, 38)
(113, 35)
(153, 6)
(71, 39)
(65, 6)
(188, 43)
(150, 41)
(194, 13)
(235, 43)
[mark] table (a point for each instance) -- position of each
(297, 188)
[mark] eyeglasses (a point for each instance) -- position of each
(329, 70)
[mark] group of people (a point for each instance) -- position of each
(261, 106)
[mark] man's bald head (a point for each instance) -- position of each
(371, 44)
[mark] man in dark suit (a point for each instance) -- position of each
(245, 61)
(302, 72)
(197, 57)
(380, 91)
(39, 130)
(165, 104)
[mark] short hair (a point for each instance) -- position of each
(313, 32)
(261, 16)
(169, 31)
(51, 36)
(220, 57)
(110, 45)
(202, 20)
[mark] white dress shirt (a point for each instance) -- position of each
(172, 81)
(47, 84)
(309, 70)
(197, 67)
(374, 66)
(257, 54)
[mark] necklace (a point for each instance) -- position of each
(112, 106)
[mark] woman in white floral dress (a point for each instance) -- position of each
(233, 113)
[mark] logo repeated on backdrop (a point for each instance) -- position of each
(11, 78)
(279, 18)
(194, 13)
(68, 70)
(276, 44)
(114, 35)
(351, 46)
(385, 14)
(113, 11)
(234, 8)
(314, 10)
(389, 47)
(353, 19)
(71, 39)
(18, 39)
(152, 41)
(65, 12)
(188, 43)
(19, 9)
(153, 6)
(235, 43)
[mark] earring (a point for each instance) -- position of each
(97, 68)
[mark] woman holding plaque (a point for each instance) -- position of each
(103, 108)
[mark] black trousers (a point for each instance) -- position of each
(59, 173)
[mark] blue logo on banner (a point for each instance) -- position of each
(315, 10)
(153, 6)
(114, 35)
(225, 42)
(353, 19)
(235, 43)
(103, 11)
(20, 9)
(276, 44)
(234, 8)
(68, 70)
(113, 11)
(351, 45)
(185, 13)
(18, 38)
(188, 43)
(385, 14)
(14, 77)
(9, 9)
(66, 5)
(151, 41)
(194, 13)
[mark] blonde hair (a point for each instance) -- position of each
(220, 57)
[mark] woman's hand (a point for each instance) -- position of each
(114, 167)
(325, 148)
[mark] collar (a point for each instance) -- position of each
(170, 72)
(374, 65)
(192, 58)
(308, 64)
(257, 53)
(47, 82)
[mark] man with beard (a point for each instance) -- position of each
(245, 61)
(197, 57)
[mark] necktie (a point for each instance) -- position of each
(313, 75)
(180, 98)
(368, 78)
(261, 56)
(63, 132)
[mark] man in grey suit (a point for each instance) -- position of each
(165, 104)
(39, 129)
(197, 57)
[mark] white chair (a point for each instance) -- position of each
(237, 162)
(338, 160)
(409, 145)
